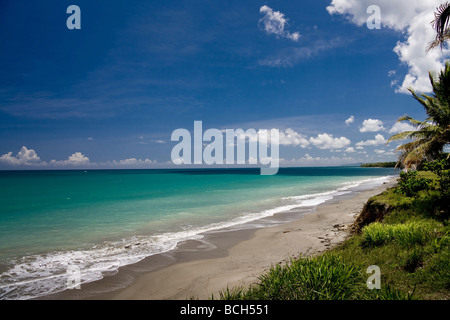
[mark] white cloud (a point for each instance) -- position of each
(28, 157)
(252, 135)
(350, 150)
(288, 137)
(24, 157)
(326, 141)
(401, 127)
(308, 160)
(411, 17)
(291, 137)
(384, 152)
(372, 125)
(379, 139)
(291, 56)
(274, 23)
(350, 120)
(128, 161)
(413, 54)
(133, 161)
(76, 159)
(8, 158)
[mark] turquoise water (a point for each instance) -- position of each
(100, 220)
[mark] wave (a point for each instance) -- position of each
(42, 274)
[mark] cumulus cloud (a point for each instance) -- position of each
(251, 135)
(326, 141)
(133, 161)
(384, 152)
(288, 137)
(372, 125)
(274, 22)
(379, 139)
(412, 18)
(24, 157)
(28, 157)
(350, 120)
(401, 127)
(308, 160)
(76, 159)
(291, 137)
(350, 150)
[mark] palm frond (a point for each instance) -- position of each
(433, 134)
(414, 122)
(401, 136)
(440, 24)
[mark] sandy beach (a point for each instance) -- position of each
(200, 269)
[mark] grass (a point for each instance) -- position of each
(322, 278)
(326, 277)
(411, 246)
(407, 234)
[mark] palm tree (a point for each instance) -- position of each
(441, 25)
(433, 134)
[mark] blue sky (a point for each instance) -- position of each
(110, 94)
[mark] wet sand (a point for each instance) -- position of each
(200, 269)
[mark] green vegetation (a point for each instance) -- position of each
(404, 231)
(323, 277)
(405, 235)
(429, 137)
(410, 184)
(326, 277)
(410, 243)
(379, 165)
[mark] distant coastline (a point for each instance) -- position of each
(391, 164)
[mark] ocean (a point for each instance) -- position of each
(100, 220)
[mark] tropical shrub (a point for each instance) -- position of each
(410, 184)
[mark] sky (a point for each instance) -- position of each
(110, 94)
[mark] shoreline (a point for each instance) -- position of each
(199, 269)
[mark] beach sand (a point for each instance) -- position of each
(200, 269)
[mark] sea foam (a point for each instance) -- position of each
(42, 274)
